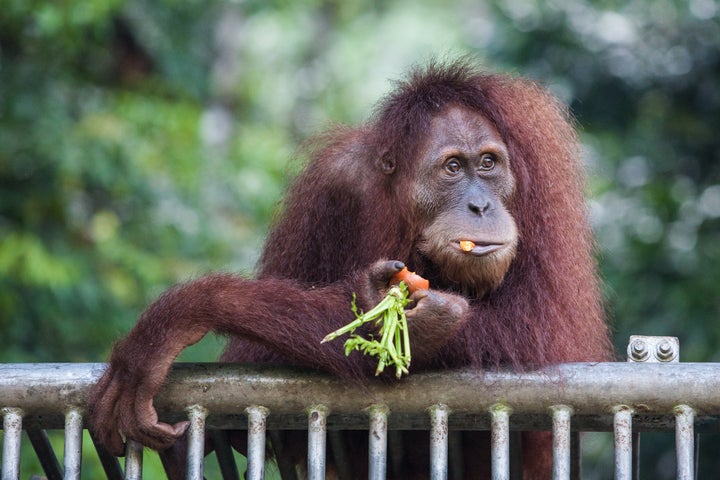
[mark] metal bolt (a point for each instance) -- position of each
(639, 351)
(665, 352)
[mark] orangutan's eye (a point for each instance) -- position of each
(487, 162)
(453, 166)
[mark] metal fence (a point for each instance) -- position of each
(649, 393)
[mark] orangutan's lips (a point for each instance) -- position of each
(478, 249)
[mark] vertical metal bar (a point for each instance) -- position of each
(317, 430)
(684, 441)
(500, 441)
(561, 442)
(12, 428)
(133, 460)
(439, 442)
(256, 442)
(377, 451)
(196, 442)
(72, 458)
(622, 428)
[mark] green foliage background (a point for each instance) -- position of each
(146, 142)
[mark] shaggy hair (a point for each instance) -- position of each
(350, 208)
(342, 214)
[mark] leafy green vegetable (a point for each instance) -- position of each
(393, 346)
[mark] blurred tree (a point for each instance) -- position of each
(644, 81)
(143, 142)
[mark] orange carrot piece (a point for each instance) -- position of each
(412, 281)
(466, 245)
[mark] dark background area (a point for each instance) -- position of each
(146, 142)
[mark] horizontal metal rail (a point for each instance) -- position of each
(220, 387)
(625, 398)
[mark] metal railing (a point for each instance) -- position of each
(624, 398)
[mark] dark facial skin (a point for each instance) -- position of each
(463, 187)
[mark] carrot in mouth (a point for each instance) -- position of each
(466, 245)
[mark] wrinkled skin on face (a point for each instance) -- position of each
(463, 185)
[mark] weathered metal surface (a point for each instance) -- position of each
(72, 457)
(561, 415)
(650, 390)
(623, 443)
(223, 387)
(439, 442)
(620, 397)
(196, 414)
(12, 426)
(133, 460)
(684, 440)
(377, 442)
(500, 442)
(317, 438)
(256, 442)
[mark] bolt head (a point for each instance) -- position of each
(639, 350)
(665, 352)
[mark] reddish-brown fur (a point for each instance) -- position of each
(349, 208)
(548, 309)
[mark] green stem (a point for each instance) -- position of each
(391, 321)
(340, 331)
(394, 294)
(406, 338)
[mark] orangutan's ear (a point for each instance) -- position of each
(386, 164)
